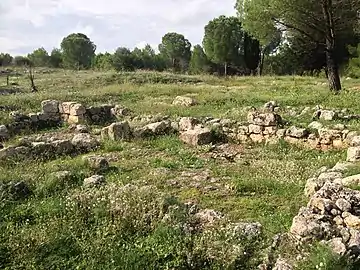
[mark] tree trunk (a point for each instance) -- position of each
(331, 62)
(261, 64)
(332, 72)
(225, 69)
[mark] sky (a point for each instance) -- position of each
(26, 25)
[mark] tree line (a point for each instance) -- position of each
(266, 37)
(226, 49)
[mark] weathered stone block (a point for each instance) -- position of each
(255, 129)
(104, 133)
(296, 132)
(353, 154)
(63, 147)
(338, 144)
(198, 136)
(50, 106)
(187, 123)
(158, 128)
(264, 119)
(64, 107)
(85, 142)
(270, 130)
(328, 115)
(118, 131)
(184, 101)
(77, 109)
(76, 119)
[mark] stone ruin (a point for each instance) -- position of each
(262, 126)
(332, 214)
(54, 113)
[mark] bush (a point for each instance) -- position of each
(353, 69)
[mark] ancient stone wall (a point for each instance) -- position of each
(55, 113)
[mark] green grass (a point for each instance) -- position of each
(61, 225)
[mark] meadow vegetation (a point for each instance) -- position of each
(137, 220)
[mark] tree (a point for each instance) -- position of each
(251, 53)
(103, 61)
(22, 61)
(123, 60)
(55, 58)
(320, 21)
(144, 58)
(149, 57)
(199, 63)
(78, 51)
(176, 48)
(160, 62)
(5, 59)
(223, 41)
(39, 57)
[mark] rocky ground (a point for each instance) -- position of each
(264, 190)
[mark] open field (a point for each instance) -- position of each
(62, 225)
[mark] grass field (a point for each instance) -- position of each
(52, 230)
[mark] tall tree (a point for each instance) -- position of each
(5, 59)
(223, 41)
(56, 58)
(251, 53)
(123, 60)
(199, 63)
(176, 48)
(320, 21)
(78, 51)
(39, 57)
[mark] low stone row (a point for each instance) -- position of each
(80, 143)
(54, 113)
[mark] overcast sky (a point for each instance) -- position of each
(29, 24)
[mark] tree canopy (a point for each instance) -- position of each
(176, 48)
(5, 59)
(322, 22)
(123, 60)
(78, 51)
(223, 41)
(39, 57)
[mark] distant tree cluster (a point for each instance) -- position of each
(227, 49)
(267, 37)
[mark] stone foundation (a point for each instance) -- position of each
(55, 113)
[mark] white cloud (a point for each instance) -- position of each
(109, 23)
(85, 29)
